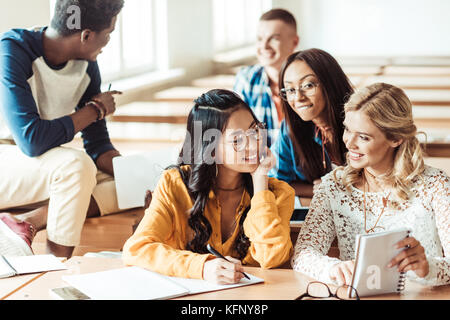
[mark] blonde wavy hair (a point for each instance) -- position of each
(390, 111)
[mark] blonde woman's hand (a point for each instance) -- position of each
(221, 271)
(342, 272)
(412, 258)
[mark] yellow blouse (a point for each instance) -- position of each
(159, 243)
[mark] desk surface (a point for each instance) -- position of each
(154, 108)
(158, 112)
(279, 284)
(428, 97)
(182, 93)
(8, 285)
(431, 61)
(408, 82)
(362, 70)
(417, 71)
(220, 81)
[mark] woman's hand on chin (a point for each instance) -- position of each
(260, 178)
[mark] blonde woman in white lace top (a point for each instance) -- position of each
(384, 186)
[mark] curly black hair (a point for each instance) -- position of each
(95, 15)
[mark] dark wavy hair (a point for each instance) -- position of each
(95, 15)
(212, 109)
(336, 89)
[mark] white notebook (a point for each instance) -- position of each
(134, 283)
(11, 266)
(374, 251)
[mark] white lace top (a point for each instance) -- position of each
(336, 212)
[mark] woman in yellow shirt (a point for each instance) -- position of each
(218, 194)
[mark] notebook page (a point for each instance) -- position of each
(129, 283)
(5, 269)
(198, 286)
(36, 263)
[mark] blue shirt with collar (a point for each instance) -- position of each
(286, 168)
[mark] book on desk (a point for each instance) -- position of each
(135, 283)
(12, 266)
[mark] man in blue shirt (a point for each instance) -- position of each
(258, 84)
(50, 91)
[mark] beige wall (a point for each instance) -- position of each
(23, 13)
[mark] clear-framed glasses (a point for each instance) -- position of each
(308, 89)
(241, 139)
(319, 290)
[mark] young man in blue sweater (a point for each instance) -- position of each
(50, 91)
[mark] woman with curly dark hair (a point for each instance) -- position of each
(218, 194)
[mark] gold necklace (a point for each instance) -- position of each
(224, 189)
(384, 199)
(323, 137)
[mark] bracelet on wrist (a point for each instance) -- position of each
(99, 109)
(101, 105)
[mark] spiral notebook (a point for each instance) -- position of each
(371, 275)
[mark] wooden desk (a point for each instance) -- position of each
(439, 162)
(428, 97)
(8, 285)
(362, 70)
(434, 61)
(417, 71)
(156, 112)
(219, 81)
(279, 284)
(437, 139)
(130, 146)
(40, 288)
(146, 131)
(287, 284)
(432, 117)
(365, 61)
(357, 81)
(183, 94)
(437, 149)
(416, 82)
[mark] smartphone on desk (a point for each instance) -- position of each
(300, 211)
(299, 214)
(68, 293)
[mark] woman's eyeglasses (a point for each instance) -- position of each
(253, 135)
(308, 90)
(320, 290)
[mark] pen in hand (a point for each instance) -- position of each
(218, 255)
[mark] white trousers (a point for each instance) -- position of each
(66, 177)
